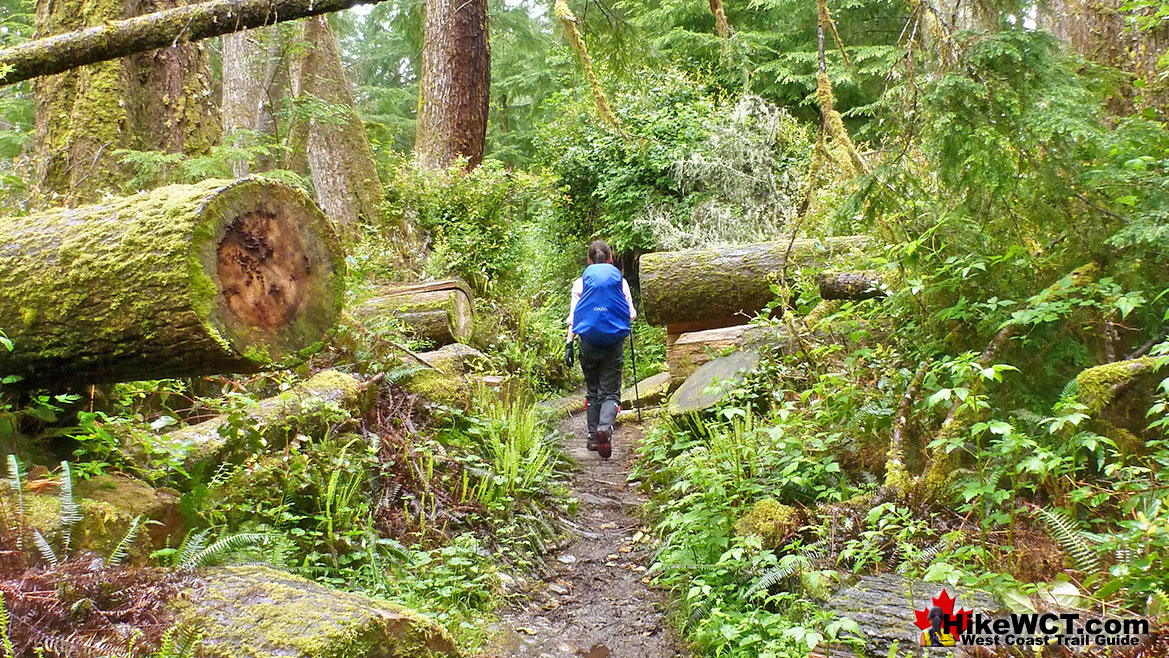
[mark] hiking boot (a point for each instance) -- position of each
(604, 434)
(591, 444)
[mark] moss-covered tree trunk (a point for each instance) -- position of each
(223, 276)
(154, 101)
(339, 155)
(728, 282)
(456, 75)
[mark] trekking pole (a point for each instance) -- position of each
(633, 360)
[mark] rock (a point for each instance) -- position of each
(651, 391)
(711, 382)
(259, 612)
(883, 605)
(109, 504)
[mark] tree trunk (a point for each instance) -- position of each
(111, 38)
(255, 83)
(261, 612)
(711, 382)
(1102, 32)
(453, 95)
(205, 442)
(439, 312)
(153, 101)
(726, 282)
(850, 285)
(340, 158)
(185, 280)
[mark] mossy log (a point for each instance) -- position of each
(687, 286)
(261, 612)
(693, 349)
(454, 359)
(850, 285)
(209, 441)
(438, 312)
(160, 29)
(222, 276)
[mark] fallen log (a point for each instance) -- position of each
(647, 392)
(261, 612)
(222, 276)
(455, 359)
(160, 29)
(270, 419)
(438, 312)
(711, 382)
(728, 282)
(693, 349)
(850, 285)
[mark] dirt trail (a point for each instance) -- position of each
(597, 605)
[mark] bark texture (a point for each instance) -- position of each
(693, 285)
(1100, 31)
(111, 38)
(270, 418)
(261, 612)
(255, 91)
(440, 312)
(850, 285)
(223, 276)
(340, 158)
(152, 101)
(456, 75)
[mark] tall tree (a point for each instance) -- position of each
(456, 77)
(255, 84)
(340, 159)
(156, 101)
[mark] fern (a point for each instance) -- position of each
(191, 546)
(179, 643)
(43, 547)
(1071, 540)
(123, 549)
(16, 482)
(70, 512)
(698, 614)
(223, 547)
(778, 574)
(5, 636)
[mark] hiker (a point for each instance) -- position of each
(601, 313)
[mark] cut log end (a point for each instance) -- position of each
(277, 271)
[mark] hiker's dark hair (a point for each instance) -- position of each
(599, 252)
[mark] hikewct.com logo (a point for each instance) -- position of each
(941, 626)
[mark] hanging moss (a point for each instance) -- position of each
(601, 100)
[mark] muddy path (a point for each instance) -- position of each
(597, 604)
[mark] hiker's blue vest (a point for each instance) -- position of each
(602, 314)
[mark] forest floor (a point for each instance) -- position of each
(597, 604)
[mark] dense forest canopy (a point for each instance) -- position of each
(282, 324)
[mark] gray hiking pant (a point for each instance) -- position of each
(602, 373)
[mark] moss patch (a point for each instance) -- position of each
(771, 520)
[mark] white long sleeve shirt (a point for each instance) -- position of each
(578, 290)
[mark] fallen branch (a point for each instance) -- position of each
(161, 29)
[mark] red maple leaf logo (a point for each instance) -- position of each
(946, 603)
